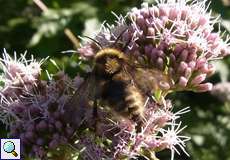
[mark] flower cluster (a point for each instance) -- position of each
(124, 141)
(37, 116)
(91, 147)
(118, 138)
(176, 37)
(20, 75)
(131, 144)
(34, 108)
(19, 78)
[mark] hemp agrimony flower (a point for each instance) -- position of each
(174, 37)
(33, 108)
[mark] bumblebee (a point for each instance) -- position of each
(118, 84)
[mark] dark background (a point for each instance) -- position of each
(23, 26)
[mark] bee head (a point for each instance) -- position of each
(109, 60)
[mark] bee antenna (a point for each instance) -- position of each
(126, 45)
(119, 36)
(95, 41)
(69, 51)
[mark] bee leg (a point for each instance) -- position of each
(95, 114)
(95, 108)
(151, 97)
(139, 122)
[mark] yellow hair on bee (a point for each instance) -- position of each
(110, 51)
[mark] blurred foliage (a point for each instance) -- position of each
(23, 26)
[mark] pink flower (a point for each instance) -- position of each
(170, 139)
(20, 75)
(34, 109)
(177, 37)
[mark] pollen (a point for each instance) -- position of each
(111, 66)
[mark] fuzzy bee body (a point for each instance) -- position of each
(124, 98)
(118, 84)
(117, 91)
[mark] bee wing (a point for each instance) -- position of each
(148, 80)
(76, 108)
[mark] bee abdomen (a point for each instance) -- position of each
(134, 101)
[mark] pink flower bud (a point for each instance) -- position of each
(212, 37)
(56, 136)
(151, 31)
(154, 55)
(184, 14)
(182, 67)
(58, 125)
(53, 144)
(41, 126)
(173, 13)
(51, 128)
(86, 51)
(193, 25)
(198, 79)
(140, 20)
(203, 21)
(18, 109)
(160, 63)
(192, 56)
(160, 53)
(144, 12)
(164, 85)
(24, 139)
(148, 49)
(63, 140)
(184, 55)
(183, 82)
(163, 11)
(14, 69)
(57, 114)
(200, 62)
(192, 65)
(188, 73)
(172, 59)
(30, 136)
(126, 36)
(40, 141)
(178, 49)
(163, 46)
(171, 72)
(69, 131)
(204, 87)
(154, 11)
(204, 68)
(153, 143)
